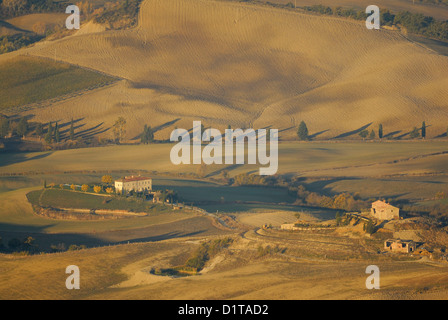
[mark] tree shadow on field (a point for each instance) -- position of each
(45, 240)
(390, 135)
(409, 133)
(165, 236)
(314, 135)
(90, 132)
(68, 123)
(158, 128)
(13, 27)
(286, 129)
(227, 168)
(350, 133)
(7, 158)
(321, 186)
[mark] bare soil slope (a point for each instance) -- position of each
(230, 63)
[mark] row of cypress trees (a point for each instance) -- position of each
(302, 132)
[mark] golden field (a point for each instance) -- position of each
(230, 63)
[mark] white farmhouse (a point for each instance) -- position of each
(136, 183)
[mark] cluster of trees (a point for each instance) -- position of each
(413, 22)
(106, 185)
(343, 201)
(25, 246)
(166, 195)
(61, 247)
(206, 251)
(53, 134)
(345, 219)
(29, 246)
(19, 128)
(445, 2)
(14, 42)
(147, 135)
(245, 179)
(14, 8)
(337, 11)
(123, 14)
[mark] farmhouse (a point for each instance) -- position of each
(136, 183)
(384, 211)
(397, 245)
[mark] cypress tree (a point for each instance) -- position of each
(144, 137)
(414, 133)
(72, 131)
(4, 127)
(57, 136)
(302, 131)
(39, 130)
(380, 131)
(423, 130)
(22, 127)
(49, 135)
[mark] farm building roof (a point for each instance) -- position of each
(132, 178)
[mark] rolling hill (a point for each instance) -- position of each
(231, 63)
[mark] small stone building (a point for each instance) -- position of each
(384, 211)
(398, 245)
(288, 226)
(136, 183)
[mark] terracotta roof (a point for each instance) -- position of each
(381, 204)
(132, 178)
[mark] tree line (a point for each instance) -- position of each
(303, 135)
(14, 8)
(414, 22)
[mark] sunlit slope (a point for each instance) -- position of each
(241, 64)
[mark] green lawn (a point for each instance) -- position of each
(26, 80)
(16, 214)
(78, 200)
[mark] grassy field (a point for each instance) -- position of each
(247, 64)
(26, 80)
(438, 11)
(77, 200)
(375, 170)
(356, 159)
(17, 216)
(26, 22)
(122, 272)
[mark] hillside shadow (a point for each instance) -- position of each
(408, 133)
(44, 240)
(322, 185)
(13, 27)
(350, 133)
(7, 158)
(165, 236)
(158, 128)
(314, 135)
(167, 124)
(390, 135)
(89, 132)
(228, 168)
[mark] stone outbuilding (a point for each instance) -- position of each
(384, 211)
(398, 245)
